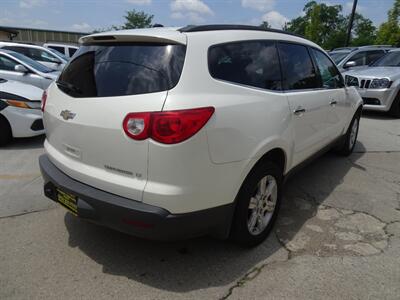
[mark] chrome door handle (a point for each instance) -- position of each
(333, 103)
(299, 110)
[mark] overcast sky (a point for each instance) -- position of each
(86, 15)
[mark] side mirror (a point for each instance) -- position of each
(350, 64)
(21, 69)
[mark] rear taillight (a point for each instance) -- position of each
(44, 99)
(136, 125)
(167, 127)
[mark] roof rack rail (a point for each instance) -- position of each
(18, 42)
(366, 46)
(379, 46)
(198, 28)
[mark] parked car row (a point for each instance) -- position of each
(25, 71)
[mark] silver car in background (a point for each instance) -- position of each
(16, 66)
(379, 84)
(350, 58)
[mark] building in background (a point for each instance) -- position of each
(38, 36)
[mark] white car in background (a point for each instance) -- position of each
(37, 53)
(20, 114)
(16, 66)
(67, 50)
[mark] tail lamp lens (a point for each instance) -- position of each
(167, 127)
(136, 125)
(44, 99)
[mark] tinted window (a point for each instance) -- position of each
(35, 54)
(374, 55)
(392, 59)
(330, 77)
(21, 50)
(59, 54)
(59, 49)
(338, 56)
(72, 51)
(297, 67)
(41, 55)
(32, 63)
(7, 64)
(251, 63)
(106, 70)
(359, 58)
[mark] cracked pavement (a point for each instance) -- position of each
(337, 237)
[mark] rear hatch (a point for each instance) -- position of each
(84, 111)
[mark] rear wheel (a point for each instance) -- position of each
(5, 131)
(350, 138)
(395, 108)
(257, 205)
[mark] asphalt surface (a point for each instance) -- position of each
(337, 237)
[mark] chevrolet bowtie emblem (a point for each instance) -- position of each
(67, 115)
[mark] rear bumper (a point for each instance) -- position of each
(133, 217)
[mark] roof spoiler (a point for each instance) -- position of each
(154, 35)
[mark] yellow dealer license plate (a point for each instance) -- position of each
(68, 200)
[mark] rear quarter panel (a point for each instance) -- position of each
(247, 121)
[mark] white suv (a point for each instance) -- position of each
(173, 133)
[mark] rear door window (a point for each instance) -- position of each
(297, 67)
(21, 50)
(41, 55)
(72, 51)
(374, 55)
(58, 48)
(118, 69)
(252, 63)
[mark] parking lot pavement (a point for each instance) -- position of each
(338, 236)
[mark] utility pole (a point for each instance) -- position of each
(353, 11)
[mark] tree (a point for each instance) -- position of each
(137, 19)
(265, 25)
(133, 19)
(325, 25)
(389, 32)
(363, 32)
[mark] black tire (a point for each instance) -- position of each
(5, 131)
(346, 148)
(240, 232)
(395, 108)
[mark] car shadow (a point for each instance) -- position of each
(35, 142)
(205, 262)
(377, 115)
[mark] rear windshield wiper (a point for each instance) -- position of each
(68, 86)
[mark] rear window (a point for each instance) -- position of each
(72, 51)
(253, 63)
(107, 70)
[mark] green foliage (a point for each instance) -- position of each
(265, 25)
(133, 19)
(325, 25)
(137, 19)
(363, 31)
(389, 32)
